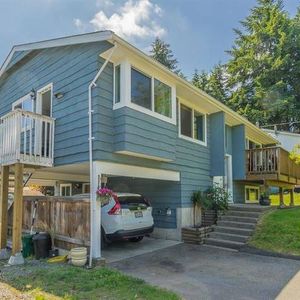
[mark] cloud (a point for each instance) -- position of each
(135, 19)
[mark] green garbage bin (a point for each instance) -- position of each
(27, 245)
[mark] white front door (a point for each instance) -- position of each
(228, 184)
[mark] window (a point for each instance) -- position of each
(198, 126)
(192, 124)
(252, 193)
(26, 104)
(162, 99)
(85, 188)
(141, 89)
(66, 190)
(186, 120)
(118, 84)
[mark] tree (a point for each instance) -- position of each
(162, 52)
(264, 53)
(213, 83)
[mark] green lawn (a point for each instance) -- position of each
(279, 231)
(70, 282)
(286, 199)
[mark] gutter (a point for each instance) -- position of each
(91, 139)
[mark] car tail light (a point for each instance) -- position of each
(116, 209)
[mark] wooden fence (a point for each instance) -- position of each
(70, 217)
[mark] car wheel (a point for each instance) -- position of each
(136, 239)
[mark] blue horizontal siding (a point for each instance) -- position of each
(70, 69)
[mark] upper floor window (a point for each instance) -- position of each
(25, 103)
(162, 98)
(141, 89)
(150, 93)
(117, 84)
(192, 124)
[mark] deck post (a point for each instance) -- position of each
(291, 197)
(18, 209)
(3, 208)
(281, 203)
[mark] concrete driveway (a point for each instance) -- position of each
(202, 272)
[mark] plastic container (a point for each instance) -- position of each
(78, 256)
(27, 245)
(41, 244)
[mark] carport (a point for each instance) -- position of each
(160, 186)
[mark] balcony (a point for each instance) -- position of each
(272, 163)
(26, 138)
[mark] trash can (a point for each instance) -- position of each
(41, 244)
(27, 245)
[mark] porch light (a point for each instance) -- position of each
(168, 212)
(32, 94)
(59, 95)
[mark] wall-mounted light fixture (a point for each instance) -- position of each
(59, 95)
(32, 94)
(168, 212)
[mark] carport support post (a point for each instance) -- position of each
(95, 215)
(292, 197)
(3, 206)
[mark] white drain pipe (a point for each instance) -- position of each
(91, 138)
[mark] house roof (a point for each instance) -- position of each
(232, 116)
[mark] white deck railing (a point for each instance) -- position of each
(27, 138)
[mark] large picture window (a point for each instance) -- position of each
(192, 124)
(141, 89)
(162, 98)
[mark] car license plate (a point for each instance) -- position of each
(138, 214)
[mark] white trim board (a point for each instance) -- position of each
(58, 42)
(114, 169)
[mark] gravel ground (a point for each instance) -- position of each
(9, 293)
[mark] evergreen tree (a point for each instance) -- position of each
(263, 88)
(162, 52)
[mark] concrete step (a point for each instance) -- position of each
(236, 224)
(249, 208)
(228, 236)
(239, 219)
(224, 243)
(240, 213)
(231, 230)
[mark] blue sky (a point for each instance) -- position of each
(199, 31)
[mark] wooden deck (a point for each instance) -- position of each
(272, 164)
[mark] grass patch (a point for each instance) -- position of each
(286, 199)
(279, 231)
(71, 282)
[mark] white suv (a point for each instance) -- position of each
(126, 216)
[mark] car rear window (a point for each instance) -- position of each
(133, 202)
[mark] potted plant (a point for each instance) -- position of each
(264, 199)
(104, 194)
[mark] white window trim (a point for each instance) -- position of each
(125, 89)
(114, 84)
(252, 187)
(83, 186)
(39, 93)
(65, 185)
(17, 102)
(203, 143)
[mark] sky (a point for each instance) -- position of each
(199, 31)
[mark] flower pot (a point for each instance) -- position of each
(78, 256)
(79, 262)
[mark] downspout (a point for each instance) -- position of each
(91, 139)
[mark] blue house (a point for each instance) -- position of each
(81, 110)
